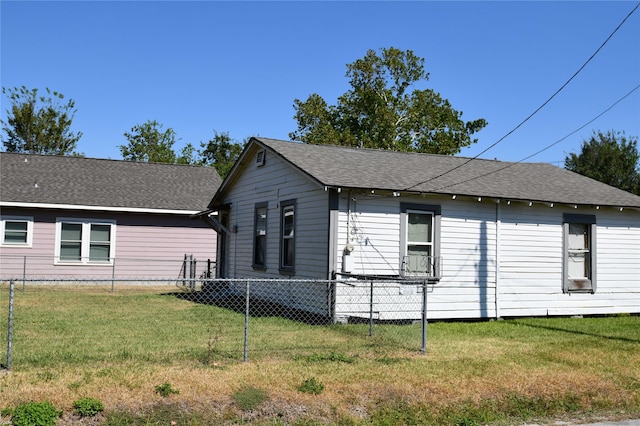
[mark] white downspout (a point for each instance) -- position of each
(498, 247)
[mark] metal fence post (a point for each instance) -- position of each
(184, 270)
(113, 275)
(246, 325)
(10, 333)
(371, 309)
(424, 317)
(24, 272)
(192, 272)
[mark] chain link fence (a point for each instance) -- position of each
(144, 270)
(193, 317)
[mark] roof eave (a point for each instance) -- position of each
(96, 208)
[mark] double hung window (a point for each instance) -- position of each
(287, 236)
(419, 241)
(579, 257)
(260, 236)
(84, 241)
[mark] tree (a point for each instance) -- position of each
(380, 112)
(39, 124)
(220, 152)
(610, 158)
(188, 155)
(148, 143)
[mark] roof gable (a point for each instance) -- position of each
(100, 183)
(345, 167)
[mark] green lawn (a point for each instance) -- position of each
(72, 342)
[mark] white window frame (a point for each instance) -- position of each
(435, 212)
(409, 243)
(85, 242)
(28, 220)
(580, 284)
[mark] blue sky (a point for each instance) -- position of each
(237, 67)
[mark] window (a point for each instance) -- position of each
(579, 254)
(260, 236)
(223, 245)
(419, 242)
(80, 241)
(16, 231)
(287, 235)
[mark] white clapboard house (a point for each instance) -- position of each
(491, 239)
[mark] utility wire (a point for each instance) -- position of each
(545, 148)
(537, 109)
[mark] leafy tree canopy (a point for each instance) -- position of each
(381, 112)
(610, 158)
(39, 124)
(220, 152)
(148, 143)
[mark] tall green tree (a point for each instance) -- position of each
(220, 152)
(38, 124)
(381, 111)
(148, 143)
(610, 158)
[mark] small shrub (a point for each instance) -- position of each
(311, 386)
(165, 390)
(249, 398)
(87, 407)
(35, 414)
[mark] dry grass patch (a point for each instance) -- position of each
(118, 347)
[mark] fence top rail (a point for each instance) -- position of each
(178, 259)
(351, 282)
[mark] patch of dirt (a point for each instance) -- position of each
(70, 419)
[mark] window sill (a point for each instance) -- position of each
(27, 245)
(287, 271)
(72, 263)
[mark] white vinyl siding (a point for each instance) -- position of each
(463, 238)
(273, 184)
(372, 226)
(498, 259)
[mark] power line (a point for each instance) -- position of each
(545, 148)
(584, 125)
(537, 109)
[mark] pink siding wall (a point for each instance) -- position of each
(146, 246)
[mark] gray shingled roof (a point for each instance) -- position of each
(104, 183)
(337, 166)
